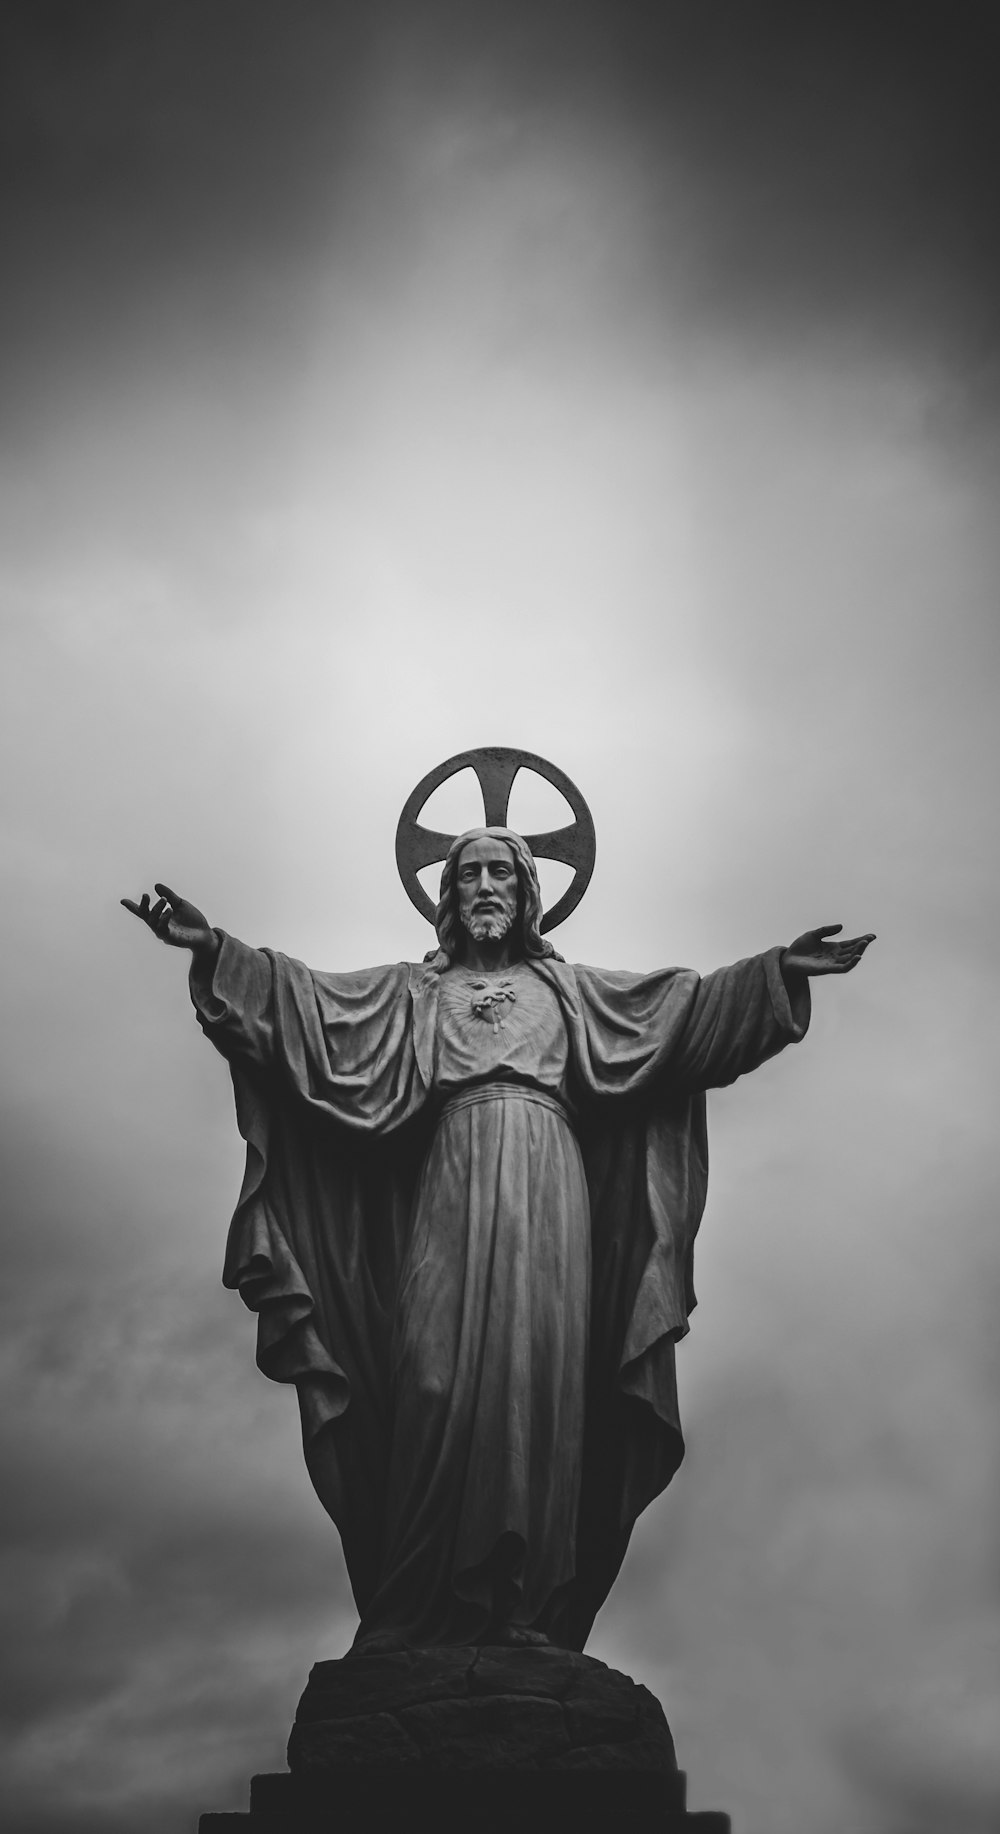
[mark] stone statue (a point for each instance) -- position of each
(466, 1226)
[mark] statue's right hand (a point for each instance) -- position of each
(174, 920)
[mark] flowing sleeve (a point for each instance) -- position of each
(353, 1047)
(675, 1031)
(738, 1018)
(233, 1001)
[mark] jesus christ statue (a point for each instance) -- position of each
(466, 1226)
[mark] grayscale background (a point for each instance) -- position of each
(619, 381)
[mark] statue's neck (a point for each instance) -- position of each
(489, 954)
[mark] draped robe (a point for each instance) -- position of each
(470, 1249)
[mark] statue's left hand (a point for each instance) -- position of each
(811, 954)
(175, 921)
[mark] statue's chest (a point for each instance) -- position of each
(509, 1023)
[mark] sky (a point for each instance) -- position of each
(619, 381)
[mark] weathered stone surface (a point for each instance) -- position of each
(634, 1754)
(592, 1722)
(491, 1710)
(548, 1673)
(363, 1684)
(608, 1708)
(502, 1732)
(337, 1744)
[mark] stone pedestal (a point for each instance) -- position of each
(520, 1740)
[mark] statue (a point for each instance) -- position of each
(466, 1226)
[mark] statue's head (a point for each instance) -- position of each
(489, 886)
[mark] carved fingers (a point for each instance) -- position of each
(811, 953)
(156, 916)
(171, 918)
(848, 954)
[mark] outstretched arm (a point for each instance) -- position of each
(744, 1014)
(176, 922)
(811, 954)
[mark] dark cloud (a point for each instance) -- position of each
(163, 1601)
(799, 166)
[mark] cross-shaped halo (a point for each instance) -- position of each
(496, 766)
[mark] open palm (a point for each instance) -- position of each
(810, 953)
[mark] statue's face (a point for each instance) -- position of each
(487, 888)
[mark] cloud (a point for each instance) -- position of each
(167, 1574)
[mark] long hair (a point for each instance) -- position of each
(529, 901)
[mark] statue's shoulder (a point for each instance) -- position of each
(631, 977)
(585, 974)
(635, 991)
(386, 979)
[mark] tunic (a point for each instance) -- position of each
(490, 1338)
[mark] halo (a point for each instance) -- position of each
(496, 766)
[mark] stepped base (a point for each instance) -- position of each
(491, 1739)
(488, 1802)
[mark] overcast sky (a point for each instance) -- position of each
(620, 381)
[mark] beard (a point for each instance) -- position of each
(487, 926)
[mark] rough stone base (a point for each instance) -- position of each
(519, 1740)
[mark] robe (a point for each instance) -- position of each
(468, 1240)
